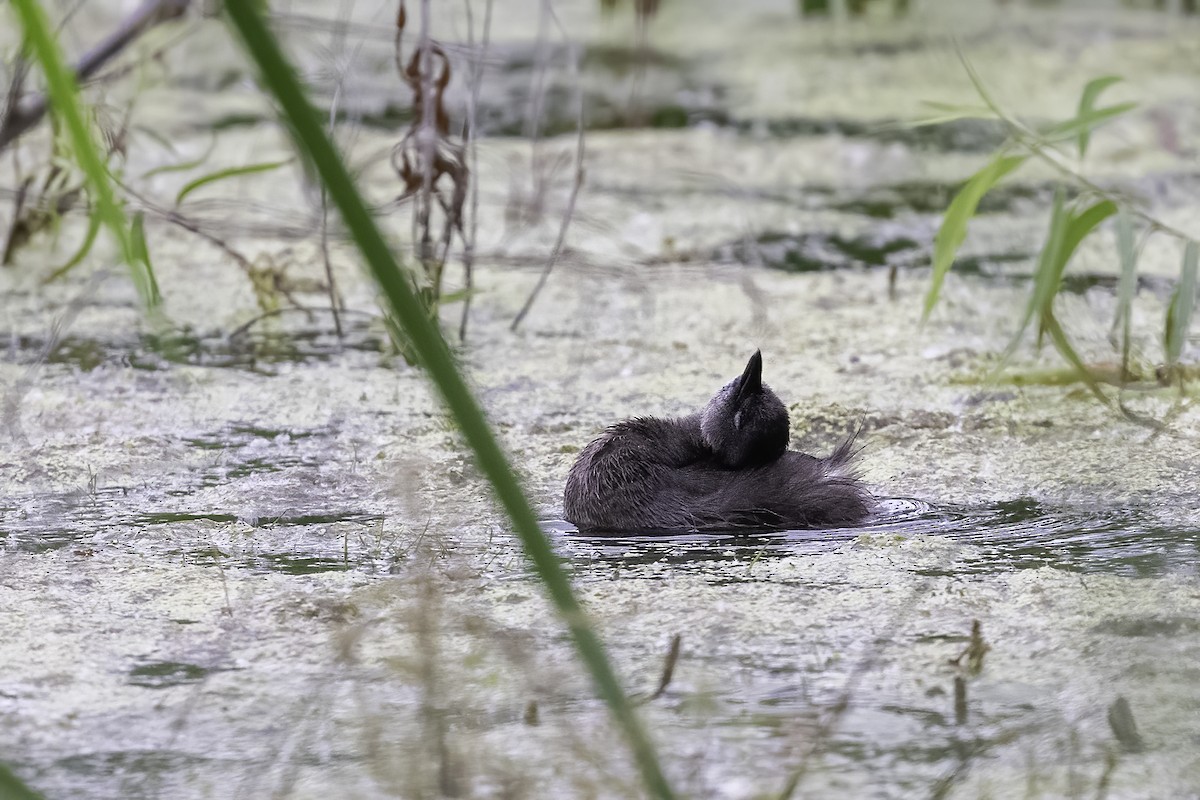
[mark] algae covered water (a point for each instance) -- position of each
(244, 556)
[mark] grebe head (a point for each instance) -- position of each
(746, 424)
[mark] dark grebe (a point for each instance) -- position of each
(725, 467)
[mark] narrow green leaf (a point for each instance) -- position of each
(138, 234)
(1093, 89)
(1044, 283)
(1082, 126)
(1126, 284)
(1183, 301)
(950, 112)
(183, 166)
(1078, 226)
(957, 108)
(980, 89)
(953, 230)
(13, 788)
(457, 297)
(223, 174)
(1063, 345)
(70, 110)
(427, 342)
(85, 247)
(1087, 101)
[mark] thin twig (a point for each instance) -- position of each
(11, 241)
(570, 210)
(427, 141)
(472, 144)
(244, 328)
(668, 670)
(16, 88)
(175, 218)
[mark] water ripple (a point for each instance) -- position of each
(1016, 534)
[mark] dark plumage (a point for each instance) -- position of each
(725, 467)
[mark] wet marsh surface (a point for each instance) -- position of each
(243, 557)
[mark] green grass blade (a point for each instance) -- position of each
(137, 235)
(1049, 277)
(1183, 301)
(1126, 284)
(953, 230)
(949, 112)
(1080, 226)
(69, 108)
(85, 247)
(957, 108)
(1043, 285)
(13, 788)
(1087, 102)
(232, 172)
(1082, 126)
(1064, 347)
(438, 362)
(977, 82)
(183, 166)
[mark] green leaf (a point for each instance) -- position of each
(980, 89)
(232, 172)
(1087, 101)
(13, 788)
(85, 247)
(71, 112)
(183, 166)
(1126, 283)
(1044, 285)
(953, 230)
(1077, 227)
(950, 112)
(457, 297)
(1083, 125)
(1183, 301)
(279, 77)
(138, 233)
(1063, 345)
(1080, 225)
(1066, 231)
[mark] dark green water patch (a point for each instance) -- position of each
(172, 517)
(242, 434)
(928, 197)
(604, 111)
(967, 135)
(1149, 627)
(623, 86)
(993, 268)
(109, 774)
(255, 351)
(175, 517)
(250, 450)
(291, 564)
(358, 517)
(90, 520)
(165, 674)
(817, 252)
